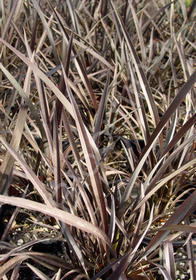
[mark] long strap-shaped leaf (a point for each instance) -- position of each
(58, 214)
(8, 162)
(78, 63)
(100, 112)
(50, 84)
(49, 32)
(91, 163)
(42, 76)
(138, 66)
(49, 207)
(171, 109)
(185, 208)
(30, 175)
(12, 263)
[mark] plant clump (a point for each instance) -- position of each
(97, 139)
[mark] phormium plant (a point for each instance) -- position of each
(97, 174)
